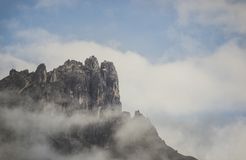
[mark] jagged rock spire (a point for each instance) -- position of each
(87, 86)
(92, 63)
(40, 75)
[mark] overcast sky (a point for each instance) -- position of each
(182, 63)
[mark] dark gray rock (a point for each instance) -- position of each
(85, 87)
(138, 114)
(40, 75)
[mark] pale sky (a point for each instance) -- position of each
(181, 62)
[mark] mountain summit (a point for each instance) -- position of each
(87, 86)
(74, 112)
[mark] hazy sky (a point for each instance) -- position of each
(181, 62)
(156, 29)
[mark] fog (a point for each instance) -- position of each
(41, 131)
(25, 135)
(29, 132)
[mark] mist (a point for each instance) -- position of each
(42, 131)
(209, 136)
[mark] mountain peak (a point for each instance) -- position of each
(92, 63)
(70, 88)
(40, 75)
(87, 87)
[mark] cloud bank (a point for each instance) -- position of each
(194, 84)
(199, 84)
(209, 141)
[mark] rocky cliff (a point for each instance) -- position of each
(41, 132)
(87, 86)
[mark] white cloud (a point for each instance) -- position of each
(229, 142)
(9, 61)
(37, 35)
(184, 45)
(191, 85)
(227, 14)
(207, 142)
(215, 82)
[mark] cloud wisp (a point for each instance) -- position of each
(227, 14)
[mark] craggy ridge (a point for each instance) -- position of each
(87, 86)
(90, 121)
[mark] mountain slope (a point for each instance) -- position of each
(74, 112)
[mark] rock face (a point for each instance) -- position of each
(75, 86)
(86, 87)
